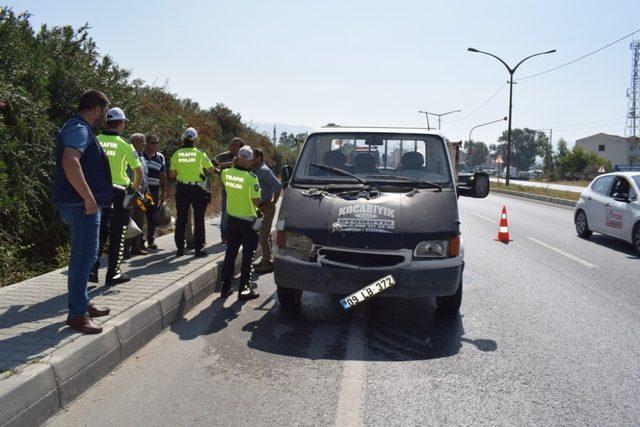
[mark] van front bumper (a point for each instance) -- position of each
(414, 279)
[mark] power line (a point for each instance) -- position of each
(481, 105)
(580, 58)
(595, 122)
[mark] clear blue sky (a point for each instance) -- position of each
(373, 63)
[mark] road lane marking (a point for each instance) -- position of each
(484, 217)
(561, 252)
(349, 411)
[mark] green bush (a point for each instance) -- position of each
(42, 74)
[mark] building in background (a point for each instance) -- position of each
(619, 150)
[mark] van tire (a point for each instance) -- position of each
(450, 304)
(636, 237)
(582, 225)
(289, 298)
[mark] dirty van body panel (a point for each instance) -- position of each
(394, 220)
(366, 227)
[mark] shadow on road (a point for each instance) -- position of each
(615, 244)
(395, 330)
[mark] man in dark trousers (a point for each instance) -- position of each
(81, 188)
(157, 181)
(115, 220)
(243, 197)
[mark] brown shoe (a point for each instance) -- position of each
(84, 324)
(94, 311)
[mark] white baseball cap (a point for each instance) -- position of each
(190, 133)
(245, 152)
(116, 114)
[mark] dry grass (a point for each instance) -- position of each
(568, 195)
(581, 183)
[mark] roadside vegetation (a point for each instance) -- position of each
(568, 195)
(42, 73)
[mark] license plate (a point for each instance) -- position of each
(368, 292)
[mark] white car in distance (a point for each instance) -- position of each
(610, 206)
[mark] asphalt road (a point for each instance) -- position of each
(547, 335)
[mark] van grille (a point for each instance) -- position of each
(361, 259)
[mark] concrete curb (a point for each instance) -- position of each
(554, 200)
(37, 392)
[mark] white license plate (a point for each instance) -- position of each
(368, 292)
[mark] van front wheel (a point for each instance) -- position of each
(289, 298)
(450, 304)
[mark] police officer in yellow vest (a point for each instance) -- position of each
(188, 165)
(243, 196)
(115, 220)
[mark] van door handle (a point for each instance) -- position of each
(607, 205)
(589, 198)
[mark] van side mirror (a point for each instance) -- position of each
(286, 175)
(477, 186)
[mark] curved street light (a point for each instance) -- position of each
(504, 119)
(511, 72)
(480, 125)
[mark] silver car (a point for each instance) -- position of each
(610, 206)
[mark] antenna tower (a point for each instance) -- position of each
(633, 93)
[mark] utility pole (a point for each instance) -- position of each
(511, 72)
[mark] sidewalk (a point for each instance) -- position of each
(559, 187)
(45, 365)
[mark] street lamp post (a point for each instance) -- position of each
(511, 72)
(426, 113)
(480, 125)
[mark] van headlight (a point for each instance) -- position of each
(296, 245)
(438, 248)
(297, 241)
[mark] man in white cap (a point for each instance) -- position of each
(243, 196)
(114, 221)
(188, 165)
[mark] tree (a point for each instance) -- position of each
(562, 150)
(525, 145)
(292, 140)
(545, 151)
(579, 160)
(42, 74)
(477, 153)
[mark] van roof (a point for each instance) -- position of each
(376, 129)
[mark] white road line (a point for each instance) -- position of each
(561, 252)
(484, 217)
(349, 411)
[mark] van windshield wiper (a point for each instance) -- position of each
(408, 179)
(338, 171)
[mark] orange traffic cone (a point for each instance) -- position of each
(503, 232)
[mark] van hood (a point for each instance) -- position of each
(391, 220)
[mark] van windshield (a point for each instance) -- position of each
(373, 157)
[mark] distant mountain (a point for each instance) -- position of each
(267, 128)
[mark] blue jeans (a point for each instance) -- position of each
(84, 230)
(224, 218)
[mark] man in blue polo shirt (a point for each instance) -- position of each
(81, 188)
